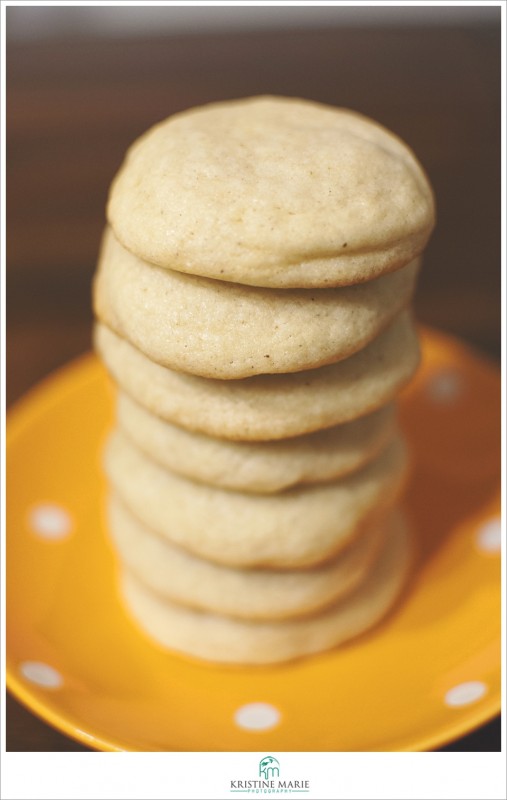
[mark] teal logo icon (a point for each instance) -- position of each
(269, 767)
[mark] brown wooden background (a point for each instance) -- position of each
(74, 106)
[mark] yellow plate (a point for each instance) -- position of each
(429, 673)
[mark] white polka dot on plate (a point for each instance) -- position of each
(50, 521)
(465, 693)
(257, 717)
(41, 674)
(489, 536)
(445, 387)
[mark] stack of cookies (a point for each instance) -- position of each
(252, 297)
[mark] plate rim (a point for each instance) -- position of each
(64, 723)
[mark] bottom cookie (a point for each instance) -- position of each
(223, 639)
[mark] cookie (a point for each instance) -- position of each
(268, 406)
(183, 578)
(257, 466)
(296, 528)
(225, 330)
(225, 639)
(272, 191)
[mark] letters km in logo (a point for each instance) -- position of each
(269, 767)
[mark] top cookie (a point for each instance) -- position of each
(272, 191)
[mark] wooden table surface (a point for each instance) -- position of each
(75, 105)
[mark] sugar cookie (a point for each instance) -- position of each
(184, 578)
(298, 527)
(220, 638)
(268, 406)
(225, 330)
(257, 466)
(272, 191)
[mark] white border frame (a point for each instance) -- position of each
(122, 776)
